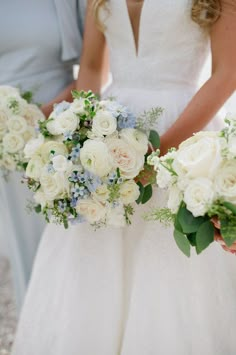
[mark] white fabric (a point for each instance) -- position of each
(130, 291)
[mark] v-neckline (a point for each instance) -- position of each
(139, 32)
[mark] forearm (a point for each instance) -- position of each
(89, 79)
(63, 95)
(201, 109)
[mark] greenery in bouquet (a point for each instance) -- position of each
(18, 121)
(200, 179)
(86, 163)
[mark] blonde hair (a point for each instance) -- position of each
(204, 12)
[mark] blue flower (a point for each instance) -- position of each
(74, 155)
(112, 178)
(62, 206)
(74, 176)
(79, 191)
(92, 181)
(73, 202)
(77, 220)
(61, 107)
(126, 119)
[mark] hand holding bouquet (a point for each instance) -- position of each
(84, 164)
(201, 181)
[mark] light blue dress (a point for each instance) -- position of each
(40, 42)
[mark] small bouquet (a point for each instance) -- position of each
(84, 165)
(18, 118)
(200, 178)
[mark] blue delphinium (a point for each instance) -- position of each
(125, 118)
(77, 220)
(61, 107)
(74, 155)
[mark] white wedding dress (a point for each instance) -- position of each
(130, 291)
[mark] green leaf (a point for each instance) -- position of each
(27, 96)
(230, 207)
(147, 194)
(38, 209)
(204, 236)
(154, 139)
(182, 242)
(228, 231)
(141, 189)
(192, 239)
(188, 222)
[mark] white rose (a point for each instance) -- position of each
(129, 192)
(136, 138)
(66, 121)
(28, 134)
(32, 146)
(6, 90)
(125, 158)
(102, 193)
(17, 124)
(95, 157)
(198, 196)
(60, 163)
(104, 123)
(51, 147)
(55, 185)
(91, 209)
(115, 217)
(225, 181)
(199, 156)
(174, 199)
(13, 143)
(33, 114)
(78, 106)
(16, 105)
(232, 146)
(34, 168)
(3, 122)
(40, 198)
(8, 162)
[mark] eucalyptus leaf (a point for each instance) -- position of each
(230, 207)
(204, 236)
(182, 242)
(147, 194)
(141, 190)
(192, 239)
(188, 222)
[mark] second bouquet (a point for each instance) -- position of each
(85, 163)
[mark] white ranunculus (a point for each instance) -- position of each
(91, 209)
(115, 217)
(232, 146)
(60, 163)
(52, 127)
(164, 178)
(78, 106)
(125, 158)
(3, 122)
(6, 90)
(13, 143)
(35, 167)
(102, 193)
(199, 156)
(95, 157)
(136, 138)
(32, 146)
(54, 186)
(129, 192)
(199, 195)
(17, 124)
(174, 199)
(28, 134)
(66, 121)
(51, 147)
(225, 181)
(32, 114)
(104, 123)
(8, 162)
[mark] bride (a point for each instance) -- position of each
(130, 291)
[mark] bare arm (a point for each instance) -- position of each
(211, 97)
(94, 66)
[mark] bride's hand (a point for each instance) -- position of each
(218, 238)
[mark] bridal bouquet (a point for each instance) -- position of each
(200, 178)
(18, 119)
(84, 165)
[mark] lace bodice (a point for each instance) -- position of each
(172, 48)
